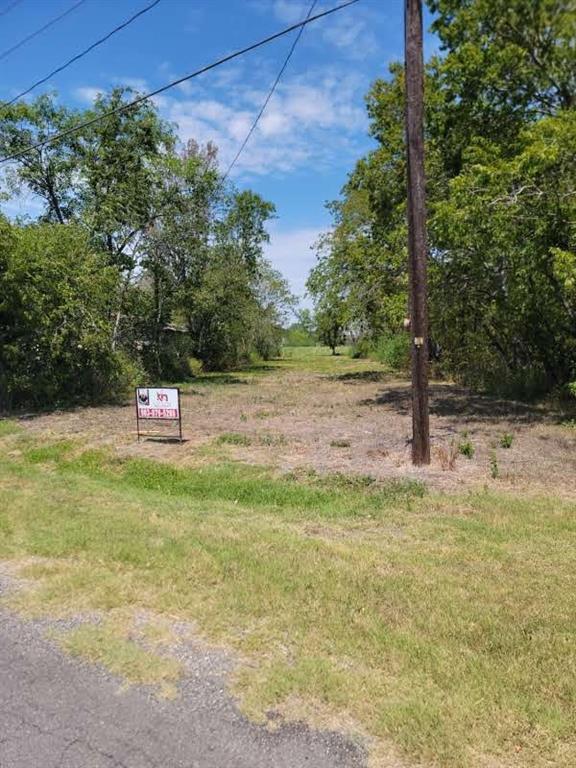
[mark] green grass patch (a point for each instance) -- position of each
(442, 623)
(9, 427)
(233, 438)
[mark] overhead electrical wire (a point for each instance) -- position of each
(168, 86)
(46, 26)
(270, 94)
(9, 7)
(84, 52)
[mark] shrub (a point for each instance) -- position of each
(466, 449)
(506, 440)
(393, 351)
(56, 329)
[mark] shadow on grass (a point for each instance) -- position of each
(162, 439)
(358, 376)
(459, 402)
(214, 378)
(29, 414)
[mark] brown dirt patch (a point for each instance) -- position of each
(348, 418)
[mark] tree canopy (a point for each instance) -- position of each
(141, 258)
(500, 162)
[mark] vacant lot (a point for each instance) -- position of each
(335, 414)
(431, 613)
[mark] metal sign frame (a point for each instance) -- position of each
(157, 434)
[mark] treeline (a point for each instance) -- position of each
(141, 258)
(501, 169)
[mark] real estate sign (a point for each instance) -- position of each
(158, 404)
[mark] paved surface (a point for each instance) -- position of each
(56, 712)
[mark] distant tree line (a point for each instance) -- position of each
(140, 259)
(501, 171)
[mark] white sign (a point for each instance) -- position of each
(157, 403)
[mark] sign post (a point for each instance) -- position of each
(158, 404)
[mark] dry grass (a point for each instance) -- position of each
(296, 414)
(108, 645)
(441, 624)
(447, 455)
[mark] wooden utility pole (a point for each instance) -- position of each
(414, 74)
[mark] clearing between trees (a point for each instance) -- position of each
(429, 612)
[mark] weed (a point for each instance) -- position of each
(447, 455)
(270, 439)
(506, 440)
(233, 438)
(263, 414)
(494, 467)
(465, 448)
(340, 443)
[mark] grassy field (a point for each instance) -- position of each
(441, 626)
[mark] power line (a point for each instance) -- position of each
(9, 7)
(167, 87)
(269, 96)
(39, 31)
(84, 52)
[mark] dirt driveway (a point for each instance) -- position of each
(313, 411)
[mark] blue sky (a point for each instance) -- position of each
(313, 131)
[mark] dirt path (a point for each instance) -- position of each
(341, 415)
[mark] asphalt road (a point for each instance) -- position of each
(56, 712)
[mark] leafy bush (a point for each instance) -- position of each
(393, 351)
(506, 440)
(361, 348)
(296, 336)
(56, 329)
(466, 449)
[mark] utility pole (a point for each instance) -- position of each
(417, 255)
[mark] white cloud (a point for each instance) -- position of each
(290, 11)
(291, 252)
(136, 83)
(349, 30)
(352, 36)
(88, 93)
(311, 120)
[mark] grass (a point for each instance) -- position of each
(233, 438)
(443, 624)
(107, 646)
(8, 427)
(440, 624)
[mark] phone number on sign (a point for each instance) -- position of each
(158, 413)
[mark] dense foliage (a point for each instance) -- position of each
(141, 257)
(501, 168)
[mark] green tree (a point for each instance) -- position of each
(500, 103)
(55, 326)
